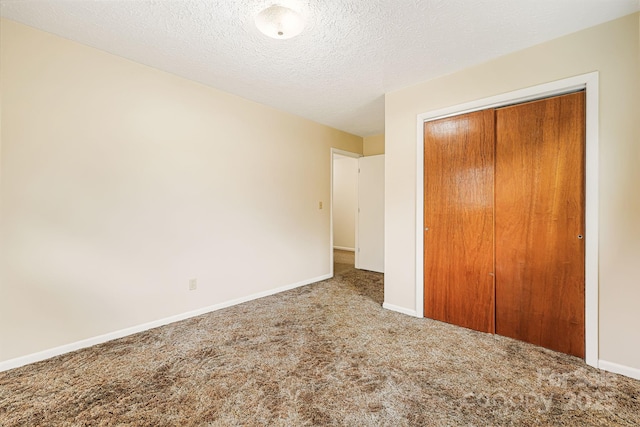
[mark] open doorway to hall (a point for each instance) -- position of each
(357, 208)
(344, 210)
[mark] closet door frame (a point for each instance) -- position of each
(588, 82)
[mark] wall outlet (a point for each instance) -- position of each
(193, 284)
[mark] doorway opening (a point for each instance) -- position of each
(344, 210)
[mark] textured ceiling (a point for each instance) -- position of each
(337, 71)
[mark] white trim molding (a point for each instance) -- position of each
(616, 368)
(399, 309)
(589, 82)
(67, 348)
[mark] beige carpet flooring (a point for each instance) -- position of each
(323, 354)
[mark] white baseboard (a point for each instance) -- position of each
(67, 348)
(344, 248)
(399, 309)
(627, 371)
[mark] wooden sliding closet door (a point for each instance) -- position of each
(539, 223)
(458, 220)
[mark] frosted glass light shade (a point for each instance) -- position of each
(279, 22)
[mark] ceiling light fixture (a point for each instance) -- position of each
(279, 22)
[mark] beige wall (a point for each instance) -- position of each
(613, 50)
(121, 182)
(373, 145)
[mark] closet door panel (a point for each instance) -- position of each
(458, 220)
(539, 222)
